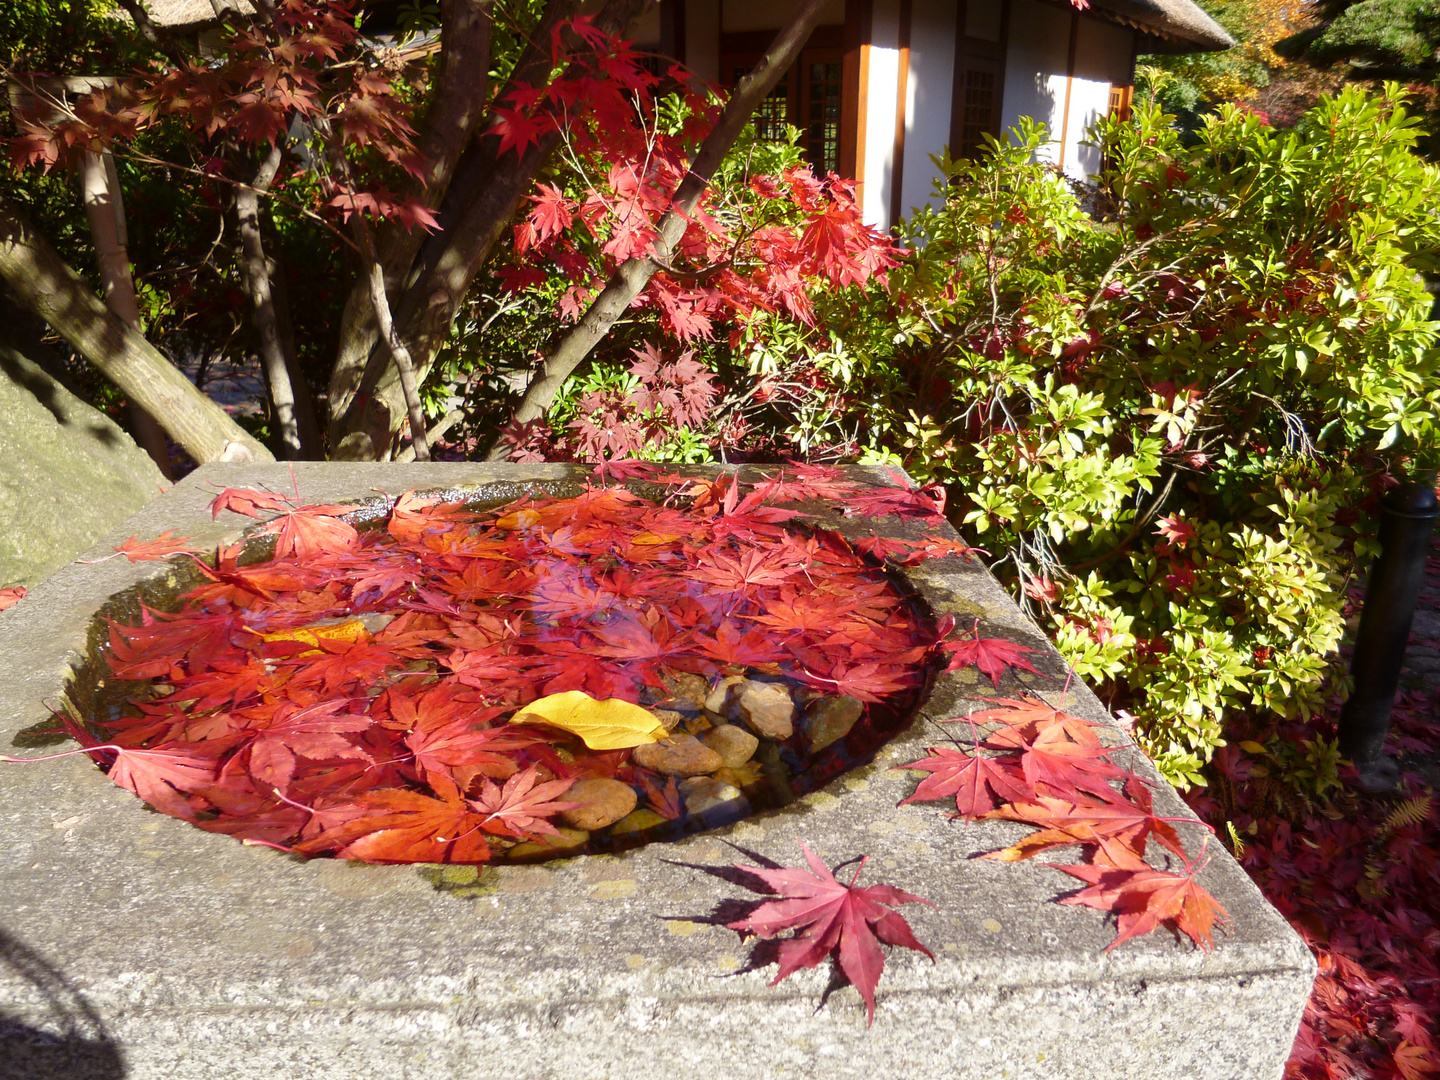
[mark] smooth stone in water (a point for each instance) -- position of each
(550, 846)
(638, 821)
(688, 692)
(829, 719)
(679, 755)
(602, 802)
(669, 717)
(768, 710)
(713, 801)
(734, 744)
(718, 699)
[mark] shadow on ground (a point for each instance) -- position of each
(70, 1044)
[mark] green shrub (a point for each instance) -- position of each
(1167, 422)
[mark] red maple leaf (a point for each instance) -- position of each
(1060, 763)
(978, 783)
(163, 776)
(1175, 532)
(317, 733)
(992, 656)
(868, 681)
(1143, 899)
(831, 918)
(521, 807)
(1120, 829)
(664, 801)
(162, 547)
(732, 646)
(903, 500)
(396, 825)
(247, 501)
(314, 531)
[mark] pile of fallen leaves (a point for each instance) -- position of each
(1040, 766)
(1358, 876)
(429, 690)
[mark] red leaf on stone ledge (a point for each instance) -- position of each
(831, 917)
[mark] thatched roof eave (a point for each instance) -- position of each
(1168, 26)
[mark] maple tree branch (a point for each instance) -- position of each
(439, 428)
(42, 280)
(158, 36)
(631, 277)
(380, 303)
(484, 194)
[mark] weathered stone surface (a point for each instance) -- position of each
(679, 755)
(138, 942)
(70, 473)
(767, 709)
(829, 719)
(734, 745)
(603, 802)
(713, 800)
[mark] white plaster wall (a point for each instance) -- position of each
(929, 94)
(880, 113)
(702, 38)
(1035, 69)
(1102, 58)
(1089, 101)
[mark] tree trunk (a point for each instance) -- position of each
(305, 417)
(255, 277)
(100, 189)
(483, 197)
(631, 277)
(457, 107)
(39, 278)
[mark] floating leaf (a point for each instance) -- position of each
(612, 724)
(350, 630)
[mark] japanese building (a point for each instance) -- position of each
(883, 84)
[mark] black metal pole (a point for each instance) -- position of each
(1396, 578)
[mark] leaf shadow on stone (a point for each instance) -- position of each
(763, 952)
(71, 1042)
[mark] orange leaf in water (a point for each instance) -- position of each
(521, 807)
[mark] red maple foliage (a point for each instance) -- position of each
(1052, 771)
(351, 695)
(992, 656)
(1358, 877)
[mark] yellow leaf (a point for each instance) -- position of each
(349, 630)
(1251, 747)
(653, 539)
(612, 724)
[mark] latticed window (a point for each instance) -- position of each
(977, 117)
(822, 120)
(774, 112)
(1120, 100)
